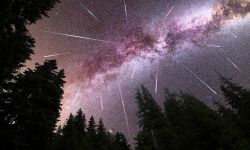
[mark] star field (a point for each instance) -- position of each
(109, 48)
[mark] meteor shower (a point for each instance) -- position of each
(125, 74)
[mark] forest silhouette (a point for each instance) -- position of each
(30, 103)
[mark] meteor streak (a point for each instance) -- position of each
(77, 93)
(101, 102)
(124, 110)
(233, 64)
(204, 83)
(92, 14)
(80, 37)
(228, 59)
(125, 9)
(78, 90)
(133, 72)
(156, 82)
(53, 55)
(169, 12)
(235, 36)
(210, 45)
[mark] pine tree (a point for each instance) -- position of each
(91, 127)
(174, 117)
(80, 125)
(16, 46)
(235, 95)
(80, 121)
(94, 138)
(16, 43)
(57, 141)
(102, 137)
(91, 133)
(151, 120)
(69, 131)
(193, 124)
(120, 142)
(237, 113)
(101, 131)
(37, 103)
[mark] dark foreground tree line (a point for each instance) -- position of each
(76, 134)
(30, 103)
(30, 100)
(188, 124)
(185, 124)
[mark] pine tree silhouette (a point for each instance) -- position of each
(36, 104)
(16, 46)
(237, 113)
(93, 137)
(151, 120)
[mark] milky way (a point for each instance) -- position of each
(109, 49)
(197, 31)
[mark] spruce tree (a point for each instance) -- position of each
(101, 138)
(37, 103)
(193, 124)
(57, 141)
(91, 133)
(80, 121)
(69, 134)
(94, 138)
(145, 141)
(80, 126)
(73, 135)
(16, 46)
(120, 142)
(151, 120)
(101, 133)
(91, 127)
(237, 113)
(174, 117)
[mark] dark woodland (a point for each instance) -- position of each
(30, 104)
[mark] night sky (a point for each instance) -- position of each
(108, 48)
